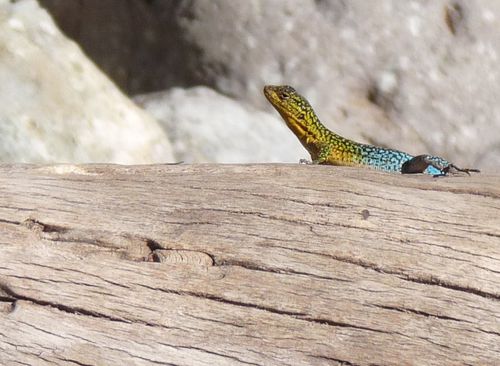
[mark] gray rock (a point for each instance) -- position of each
(57, 106)
(205, 126)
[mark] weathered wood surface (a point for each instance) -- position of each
(247, 265)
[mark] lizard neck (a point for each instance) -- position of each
(309, 130)
(301, 119)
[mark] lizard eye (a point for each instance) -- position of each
(284, 95)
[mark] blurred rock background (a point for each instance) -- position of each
(421, 76)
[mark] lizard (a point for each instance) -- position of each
(327, 147)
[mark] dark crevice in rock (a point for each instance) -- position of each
(146, 48)
(383, 99)
(454, 17)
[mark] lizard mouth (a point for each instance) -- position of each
(270, 93)
(273, 98)
(279, 97)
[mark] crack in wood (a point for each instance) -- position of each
(283, 199)
(6, 299)
(452, 249)
(344, 325)
(12, 296)
(64, 308)
(128, 244)
(460, 191)
(419, 312)
(429, 280)
(297, 315)
(56, 233)
(234, 358)
(134, 356)
(339, 361)
(73, 361)
(223, 300)
(489, 332)
(431, 188)
(309, 224)
(61, 307)
(249, 265)
(18, 209)
(153, 244)
(284, 271)
(62, 234)
(215, 321)
(38, 226)
(3, 221)
(428, 339)
(264, 216)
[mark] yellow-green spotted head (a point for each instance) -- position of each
(288, 102)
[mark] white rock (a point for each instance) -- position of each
(57, 106)
(205, 126)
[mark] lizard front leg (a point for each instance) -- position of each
(325, 151)
(321, 158)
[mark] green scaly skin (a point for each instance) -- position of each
(327, 147)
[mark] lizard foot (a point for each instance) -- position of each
(453, 168)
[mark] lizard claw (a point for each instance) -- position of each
(468, 171)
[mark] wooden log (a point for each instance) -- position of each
(247, 265)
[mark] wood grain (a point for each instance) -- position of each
(247, 265)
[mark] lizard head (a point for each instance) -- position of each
(293, 107)
(299, 116)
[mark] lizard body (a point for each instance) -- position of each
(327, 147)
